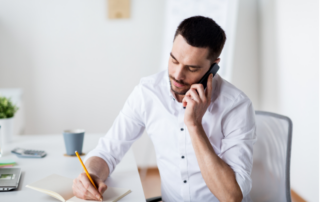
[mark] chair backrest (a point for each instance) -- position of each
(271, 158)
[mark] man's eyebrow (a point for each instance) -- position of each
(193, 66)
(173, 57)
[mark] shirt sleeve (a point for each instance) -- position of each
(127, 127)
(239, 137)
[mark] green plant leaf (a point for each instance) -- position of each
(7, 108)
(2, 115)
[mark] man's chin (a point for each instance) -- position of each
(178, 91)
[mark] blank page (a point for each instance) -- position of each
(55, 183)
(111, 195)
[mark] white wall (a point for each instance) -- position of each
(290, 82)
(246, 71)
(298, 38)
(76, 67)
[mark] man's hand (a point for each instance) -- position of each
(82, 187)
(196, 102)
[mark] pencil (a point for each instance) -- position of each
(85, 169)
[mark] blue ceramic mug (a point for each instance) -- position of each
(73, 140)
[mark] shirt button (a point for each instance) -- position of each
(181, 129)
(185, 181)
(182, 157)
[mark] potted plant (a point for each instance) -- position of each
(7, 111)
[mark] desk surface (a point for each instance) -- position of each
(125, 175)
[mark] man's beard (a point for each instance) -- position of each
(180, 82)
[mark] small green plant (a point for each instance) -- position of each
(7, 109)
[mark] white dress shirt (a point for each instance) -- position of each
(229, 124)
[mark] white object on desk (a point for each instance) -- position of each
(125, 175)
(16, 96)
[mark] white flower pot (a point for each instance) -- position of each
(6, 133)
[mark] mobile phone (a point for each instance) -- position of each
(28, 153)
(212, 70)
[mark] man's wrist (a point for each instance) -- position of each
(98, 167)
(195, 127)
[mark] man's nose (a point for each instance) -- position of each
(179, 73)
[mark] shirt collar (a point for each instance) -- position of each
(169, 91)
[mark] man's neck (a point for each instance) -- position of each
(179, 97)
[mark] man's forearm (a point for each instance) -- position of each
(218, 176)
(97, 166)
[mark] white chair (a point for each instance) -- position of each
(271, 158)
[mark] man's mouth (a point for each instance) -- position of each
(176, 84)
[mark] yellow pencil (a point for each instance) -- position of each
(85, 169)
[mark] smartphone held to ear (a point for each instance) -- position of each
(212, 70)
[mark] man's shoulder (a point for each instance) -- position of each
(230, 93)
(154, 80)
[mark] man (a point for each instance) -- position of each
(203, 138)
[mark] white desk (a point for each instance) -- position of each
(125, 175)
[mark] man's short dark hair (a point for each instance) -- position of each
(203, 32)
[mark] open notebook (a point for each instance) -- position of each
(60, 188)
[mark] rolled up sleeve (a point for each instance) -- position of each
(239, 138)
(127, 127)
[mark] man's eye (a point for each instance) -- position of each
(174, 61)
(191, 69)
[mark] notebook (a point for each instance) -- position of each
(60, 188)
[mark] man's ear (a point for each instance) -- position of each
(217, 60)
